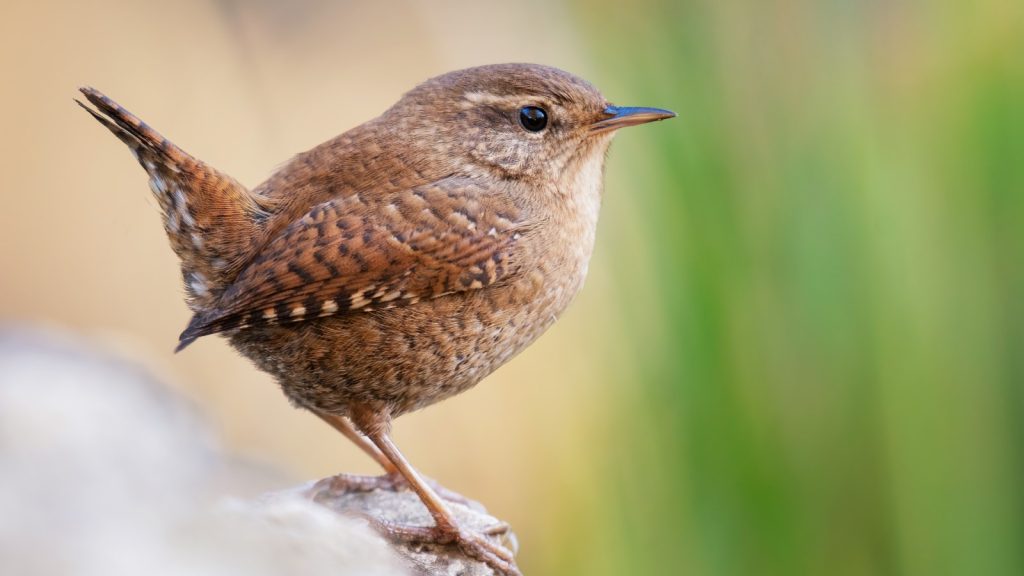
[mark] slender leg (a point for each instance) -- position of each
(443, 517)
(446, 529)
(392, 478)
(342, 424)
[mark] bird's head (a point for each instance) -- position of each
(514, 121)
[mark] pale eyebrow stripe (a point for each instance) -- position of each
(476, 98)
(488, 98)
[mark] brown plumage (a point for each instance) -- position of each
(406, 259)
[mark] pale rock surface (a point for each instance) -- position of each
(104, 471)
(403, 507)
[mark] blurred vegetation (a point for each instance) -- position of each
(832, 367)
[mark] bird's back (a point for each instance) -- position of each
(369, 160)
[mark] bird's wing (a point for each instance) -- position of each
(348, 255)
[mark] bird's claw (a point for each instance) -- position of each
(473, 545)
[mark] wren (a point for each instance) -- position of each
(403, 261)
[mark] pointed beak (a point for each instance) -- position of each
(622, 116)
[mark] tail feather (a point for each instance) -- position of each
(131, 130)
(214, 223)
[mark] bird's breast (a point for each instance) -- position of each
(580, 193)
(560, 258)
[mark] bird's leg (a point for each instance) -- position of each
(392, 478)
(446, 529)
(343, 425)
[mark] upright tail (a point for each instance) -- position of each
(213, 222)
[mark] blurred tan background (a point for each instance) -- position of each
(243, 86)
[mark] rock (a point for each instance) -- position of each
(107, 471)
(350, 495)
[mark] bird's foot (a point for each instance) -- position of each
(346, 483)
(391, 482)
(474, 545)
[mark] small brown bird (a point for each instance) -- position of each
(403, 261)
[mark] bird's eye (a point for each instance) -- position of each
(533, 118)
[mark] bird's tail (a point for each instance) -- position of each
(212, 221)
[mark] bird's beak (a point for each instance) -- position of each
(622, 116)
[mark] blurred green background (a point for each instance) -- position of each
(830, 363)
(801, 350)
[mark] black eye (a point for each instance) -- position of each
(532, 118)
